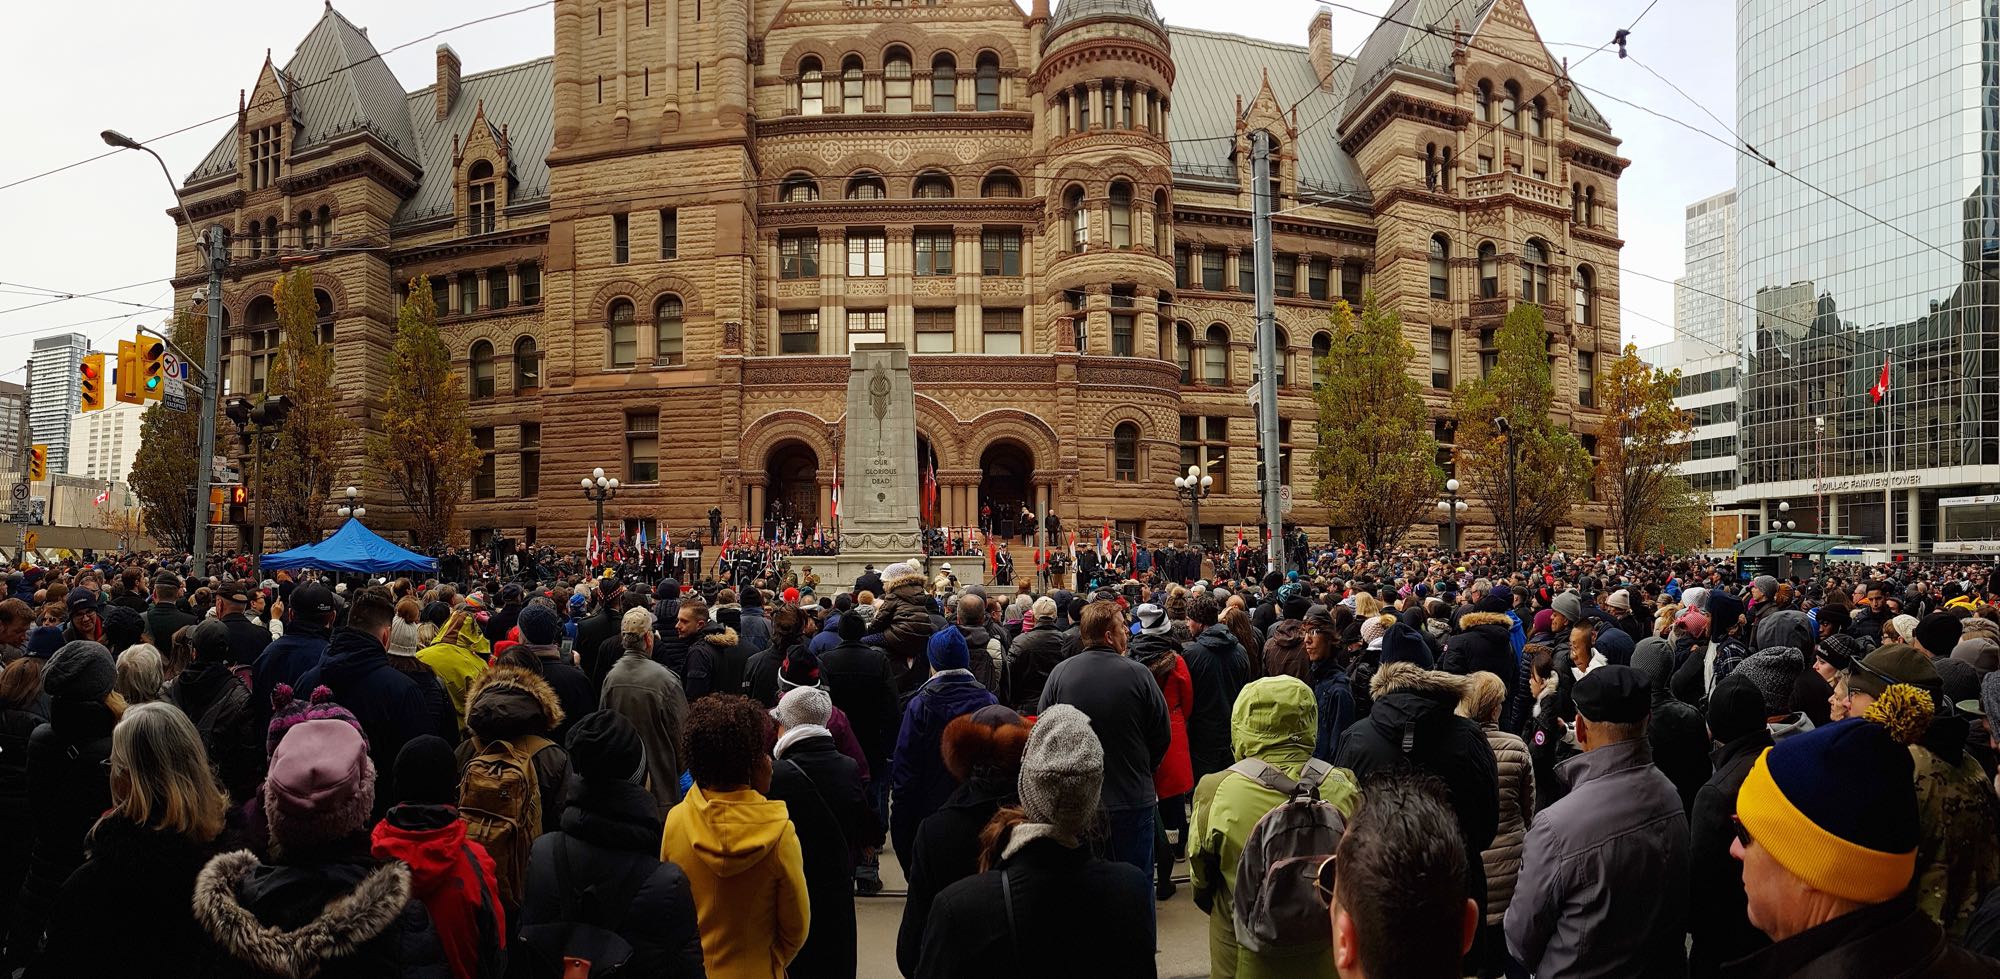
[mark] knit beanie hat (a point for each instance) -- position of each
(1840, 650)
(901, 569)
(80, 670)
(288, 712)
(1959, 679)
(802, 706)
(1545, 620)
(403, 638)
(122, 627)
(44, 641)
(1895, 663)
(947, 649)
(538, 625)
(1735, 708)
(321, 784)
(1062, 772)
(1773, 669)
(1616, 645)
(427, 772)
(1765, 586)
(800, 668)
(1373, 628)
(1939, 632)
(1837, 808)
(1569, 605)
(1402, 644)
(1989, 697)
(1724, 610)
(605, 746)
(1905, 626)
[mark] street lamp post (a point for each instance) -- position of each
(598, 488)
(1784, 507)
(1452, 506)
(211, 360)
(353, 508)
(1193, 488)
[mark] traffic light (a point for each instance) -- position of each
(216, 506)
(38, 463)
(130, 390)
(90, 372)
(238, 499)
(152, 366)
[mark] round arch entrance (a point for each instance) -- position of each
(1006, 487)
(791, 474)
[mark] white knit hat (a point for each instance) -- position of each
(1062, 773)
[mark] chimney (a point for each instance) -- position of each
(1319, 35)
(447, 84)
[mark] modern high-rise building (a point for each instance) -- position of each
(1866, 291)
(54, 393)
(13, 422)
(104, 443)
(1703, 312)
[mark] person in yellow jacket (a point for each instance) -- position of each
(458, 656)
(738, 849)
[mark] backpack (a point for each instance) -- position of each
(1275, 904)
(582, 942)
(500, 800)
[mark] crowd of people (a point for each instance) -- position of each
(1417, 764)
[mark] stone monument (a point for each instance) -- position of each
(879, 500)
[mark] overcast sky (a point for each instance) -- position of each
(149, 68)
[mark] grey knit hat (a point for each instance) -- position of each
(1569, 605)
(804, 705)
(1766, 584)
(1774, 669)
(1062, 772)
(1989, 697)
(80, 670)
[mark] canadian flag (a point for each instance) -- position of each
(1104, 541)
(101, 497)
(1881, 388)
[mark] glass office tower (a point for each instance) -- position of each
(1872, 246)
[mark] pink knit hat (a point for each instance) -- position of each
(321, 785)
(288, 712)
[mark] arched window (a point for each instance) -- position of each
(622, 339)
(1590, 207)
(325, 226)
(1510, 107)
(480, 198)
(323, 316)
(986, 82)
(482, 369)
(1431, 166)
(670, 345)
(1215, 355)
(1079, 219)
(1440, 267)
(1322, 347)
(898, 86)
(306, 229)
(1444, 170)
(1000, 183)
(1163, 228)
(1535, 271)
(1489, 271)
(866, 187)
(798, 188)
(1576, 203)
(1585, 289)
(1282, 359)
(812, 88)
(850, 85)
(1485, 101)
(932, 186)
(271, 236)
(1537, 118)
(1125, 453)
(527, 365)
(944, 84)
(1184, 351)
(1121, 215)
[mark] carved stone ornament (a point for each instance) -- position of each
(881, 542)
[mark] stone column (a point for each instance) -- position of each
(756, 515)
(1912, 520)
(826, 502)
(1830, 521)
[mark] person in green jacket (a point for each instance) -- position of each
(1274, 721)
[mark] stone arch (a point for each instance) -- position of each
(685, 288)
(936, 423)
(600, 302)
(337, 291)
(787, 425)
(1013, 424)
(826, 53)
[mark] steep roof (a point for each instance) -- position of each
(1211, 70)
(520, 97)
(1415, 36)
(1071, 11)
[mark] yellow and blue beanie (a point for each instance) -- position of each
(1837, 807)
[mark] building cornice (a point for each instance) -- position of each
(1399, 105)
(897, 122)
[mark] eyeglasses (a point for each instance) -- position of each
(1323, 878)
(1742, 833)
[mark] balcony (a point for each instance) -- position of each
(1520, 186)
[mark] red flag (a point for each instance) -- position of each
(992, 559)
(1104, 541)
(1881, 388)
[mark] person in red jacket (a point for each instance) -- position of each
(452, 875)
(1173, 780)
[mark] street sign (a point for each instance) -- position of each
(170, 364)
(174, 402)
(20, 492)
(1251, 395)
(1284, 499)
(30, 540)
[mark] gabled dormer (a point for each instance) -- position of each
(265, 127)
(1265, 112)
(482, 174)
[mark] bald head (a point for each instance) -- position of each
(971, 610)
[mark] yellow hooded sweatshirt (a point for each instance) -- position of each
(741, 856)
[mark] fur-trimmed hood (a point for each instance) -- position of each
(719, 636)
(1414, 678)
(508, 701)
(1471, 619)
(340, 929)
(901, 580)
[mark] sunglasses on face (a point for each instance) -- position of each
(1743, 836)
(1323, 878)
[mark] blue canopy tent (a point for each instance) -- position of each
(351, 548)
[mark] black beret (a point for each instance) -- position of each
(1614, 695)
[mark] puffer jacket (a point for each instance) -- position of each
(1175, 774)
(716, 663)
(67, 764)
(902, 625)
(454, 878)
(918, 781)
(609, 841)
(1517, 813)
(341, 918)
(510, 702)
(1273, 721)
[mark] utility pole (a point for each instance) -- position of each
(211, 372)
(1267, 354)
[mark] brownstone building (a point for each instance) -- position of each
(652, 251)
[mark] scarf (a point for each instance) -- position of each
(794, 735)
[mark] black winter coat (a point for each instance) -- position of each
(822, 789)
(1717, 915)
(247, 639)
(212, 696)
(857, 678)
(388, 704)
(1881, 941)
(1482, 645)
(339, 916)
(762, 672)
(69, 783)
(572, 686)
(163, 619)
(1034, 653)
(1416, 707)
(715, 663)
(610, 838)
(127, 913)
(1218, 668)
(1678, 733)
(590, 635)
(285, 660)
(1073, 915)
(946, 851)
(17, 836)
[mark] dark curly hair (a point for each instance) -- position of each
(725, 735)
